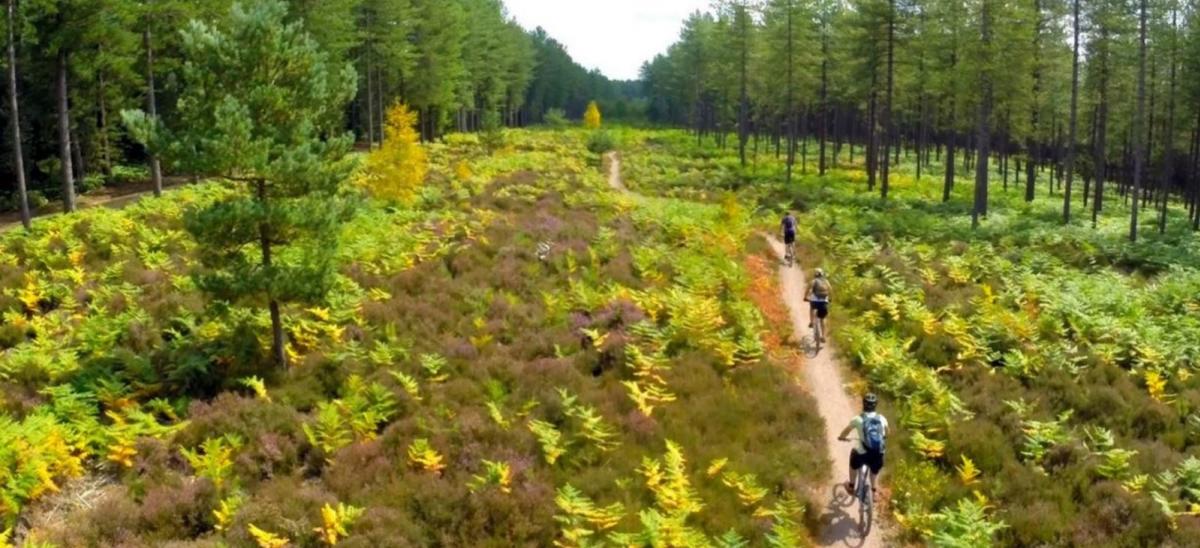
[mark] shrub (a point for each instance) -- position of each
(493, 139)
(556, 118)
(123, 174)
(91, 182)
(600, 142)
(37, 200)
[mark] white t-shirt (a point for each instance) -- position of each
(857, 425)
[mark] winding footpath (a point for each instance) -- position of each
(823, 378)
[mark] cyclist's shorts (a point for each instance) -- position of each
(822, 308)
(789, 237)
(873, 460)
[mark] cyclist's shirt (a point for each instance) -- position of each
(857, 425)
(789, 225)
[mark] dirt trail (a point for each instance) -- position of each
(824, 380)
(614, 171)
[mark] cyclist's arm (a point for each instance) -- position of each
(845, 435)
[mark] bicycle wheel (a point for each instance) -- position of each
(810, 346)
(866, 504)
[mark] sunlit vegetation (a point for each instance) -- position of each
(1042, 376)
(452, 387)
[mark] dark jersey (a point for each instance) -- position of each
(789, 225)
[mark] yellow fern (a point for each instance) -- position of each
(335, 520)
(1156, 385)
(968, 473)
(425, 457)
(267, 539)
(225, 510)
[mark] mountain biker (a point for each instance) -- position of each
(869, 447)
(820, 291)
(788, 227)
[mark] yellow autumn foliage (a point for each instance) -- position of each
(397, 170)
(591, 118)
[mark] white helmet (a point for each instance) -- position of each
(820, 273)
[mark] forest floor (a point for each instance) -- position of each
(823, 378)
(109, 196)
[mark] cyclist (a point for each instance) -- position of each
(788, 227)
(820, 291)
(869, 446)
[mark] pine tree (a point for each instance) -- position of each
(257, 99)
(1139, 160)
(440, 29)
(984, 127)
(1072, 138)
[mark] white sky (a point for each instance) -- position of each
(616, 36)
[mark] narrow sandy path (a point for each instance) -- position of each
(824, 380)
(614, 171)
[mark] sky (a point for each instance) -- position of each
(615, 36)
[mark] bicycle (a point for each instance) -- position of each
(811, 343)
(789, 255)
(865, 493)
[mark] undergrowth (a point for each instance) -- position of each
(1045, 375)
(519, 358)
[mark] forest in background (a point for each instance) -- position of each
(1058, 93)
(74, 65)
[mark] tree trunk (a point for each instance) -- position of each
(1168, 174)
(824, 94)
(152, 109)
(791, 105)
(64, 133)
(744, 99)
(370, 95)
(380, 111)
(1031, 146)
(1139, 159)
(1099, 168)
(264, 239)
(14, 118)
(984, 125)
(948, 184)
(872, 152)
(804, 143)
(887, 109)
(102, 124)
(1074, 124)
(77, 152)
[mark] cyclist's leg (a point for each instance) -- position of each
(822, 314)
(875, 463)
(855, 465)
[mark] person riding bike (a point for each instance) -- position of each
(788, 228)
(869, 448)
(820, 291)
